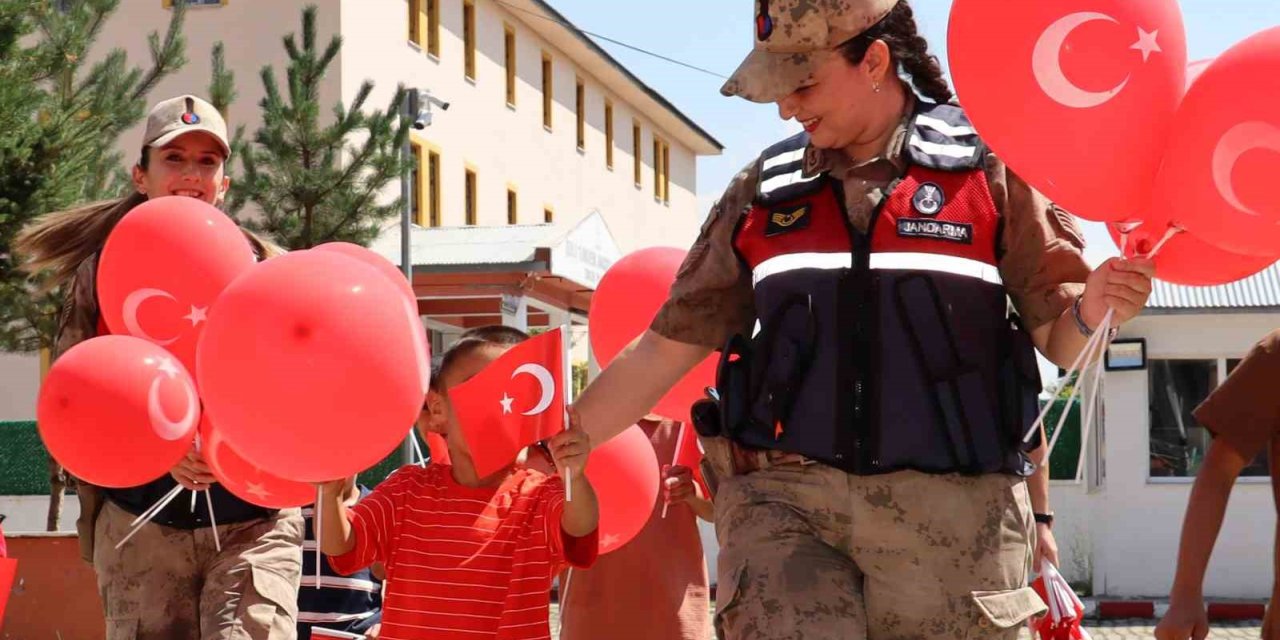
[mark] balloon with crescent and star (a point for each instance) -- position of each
(1056, 89)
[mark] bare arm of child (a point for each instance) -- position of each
(1186, 617)
(678, 486)
(570, 449)
(333, 519)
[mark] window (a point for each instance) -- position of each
(580, 105)
(416, 195)
(433, 188)
(546, 90)
(470, 205)
(469, 38)
(433, 27)
(1178, 442)
(415, 21)
(511, 205)
(666, 173)
(608, 134)
(509, 48)
(661, 172)
(548, 215)
(635, 151)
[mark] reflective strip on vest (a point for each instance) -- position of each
(944, 127)
(797, 261)
(786, 180)
(782, 158)
(938, 263)
(945, 150)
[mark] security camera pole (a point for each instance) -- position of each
(411, 112)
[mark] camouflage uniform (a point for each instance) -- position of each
(167, 583)
(809, 551)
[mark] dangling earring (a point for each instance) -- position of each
(876, 87)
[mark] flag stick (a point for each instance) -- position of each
(213, 520)
(568, 388)
(675, 458)
(319, 510)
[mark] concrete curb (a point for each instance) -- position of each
(1101, 609)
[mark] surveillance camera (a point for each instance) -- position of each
(444, 106)
(422, 121)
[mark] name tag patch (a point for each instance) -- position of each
(935, 230)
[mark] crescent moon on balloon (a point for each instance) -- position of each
(164, 427)
(1238, 140)
(130, 313)
(1046, 63)
(545, 380)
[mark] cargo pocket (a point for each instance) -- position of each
(268, 606)
(728, 600)
(1004, 611)
(122, 629)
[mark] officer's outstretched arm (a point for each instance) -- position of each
(633, 383)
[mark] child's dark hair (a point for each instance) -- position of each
(471, 340)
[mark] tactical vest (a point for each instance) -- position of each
(894, 349)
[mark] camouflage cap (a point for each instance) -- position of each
(791, 36)
(182, 115)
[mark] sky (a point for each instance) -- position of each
(716, 35)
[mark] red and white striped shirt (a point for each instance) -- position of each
(465, 562)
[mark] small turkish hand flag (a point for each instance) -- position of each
(8, 571)
(689, 453)
(514, 402)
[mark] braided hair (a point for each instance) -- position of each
(909, 49)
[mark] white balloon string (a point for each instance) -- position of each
(1090, 409)
(213, 520)
(154, 511)
(157, 506)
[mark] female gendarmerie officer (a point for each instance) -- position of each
(872, 482)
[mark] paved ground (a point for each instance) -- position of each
(1108, 630)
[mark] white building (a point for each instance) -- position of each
(1119, 529)
(551, 161)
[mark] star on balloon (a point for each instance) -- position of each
(609, 541)
(506, 403)
(258, 491)
(168, 368)
(197, 315)
(1147, 43)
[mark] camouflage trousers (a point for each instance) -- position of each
(809, 551)
(173, 584)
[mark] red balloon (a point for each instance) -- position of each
(1185, 259)
(118, 411)
(624, 475)
(624, 305)
(1224, 151)
(1195, 69)
(163, 266)
(310, 366)
(375, 260)
(1057, 88)
(396, 276)
(246, 481)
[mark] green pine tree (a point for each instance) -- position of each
(59, 121)
(311, 183)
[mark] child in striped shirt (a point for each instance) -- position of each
(467, 557)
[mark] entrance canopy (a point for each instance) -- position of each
(527, 276)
